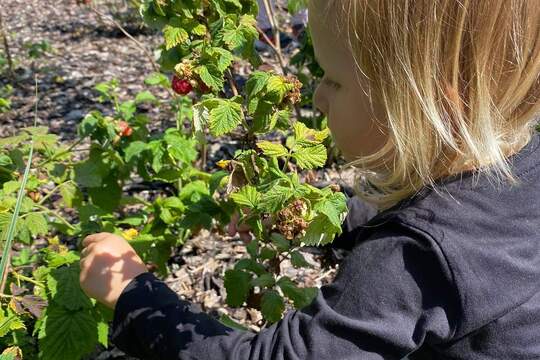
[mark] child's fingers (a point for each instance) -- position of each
(94, 238)
(87, 249)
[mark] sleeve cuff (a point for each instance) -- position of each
(145, 291)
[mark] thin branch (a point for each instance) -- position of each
(121, 28)
(232, 83)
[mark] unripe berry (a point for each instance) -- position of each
(181, 86)
(125, 129)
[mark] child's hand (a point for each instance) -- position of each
(243, 230)
(108, 264)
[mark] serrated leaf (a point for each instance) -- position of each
(265, 280)
(251, 265)
(237, 283)
(65, 289)
(174, 36)
(272, 149)
(301, 297)
(272, 306)
(276, 87)
(256, 83)
(247, 196)
(310, 157)
(280, 241)
(9, 321)
(305, 136)
(225, 117)
(67, 334)
(37, 224)
(211, 76)
(273, 199)
(298, 260)
(320, 231)
(334, 207)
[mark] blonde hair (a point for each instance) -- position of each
(459, 82)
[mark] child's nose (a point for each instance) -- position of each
(320, 101)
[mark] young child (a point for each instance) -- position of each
(434, 103)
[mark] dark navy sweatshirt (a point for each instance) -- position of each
(451, 275)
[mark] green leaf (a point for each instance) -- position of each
(65, 289)
(108, 195)
(280, 241)
(298, 260)
(265, 280)
(247, 196)
(13, 352)
(272, 306)
(174, 36)
(10, 187)
(272, 149)
(157, 79)
(145, 97)
(225, 117)
(211, 76)
(227, 321)
(251, 265)
(305, 136)
(67, 334)
(310, 157)
(273, 199)
(152, 249)
(267, 253)
(277, 86)
(237, 285)
(54, 259)
(134, 149)
(9, 321)
(301, 297)
(256, 83)
(334, 207)
(71, 195)
(321, 231)
(90, 172)
(37, 224)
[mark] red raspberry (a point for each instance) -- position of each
(125, 129)
(181, 86)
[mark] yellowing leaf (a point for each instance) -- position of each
(224, 164)
(130, 234)
(272, 149)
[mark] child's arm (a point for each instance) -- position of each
(393, 293)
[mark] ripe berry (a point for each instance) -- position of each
(125, 129)
(181, 86)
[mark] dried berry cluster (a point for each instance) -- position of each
(294, 96)
(290, 220)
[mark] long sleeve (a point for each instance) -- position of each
(393, 293)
